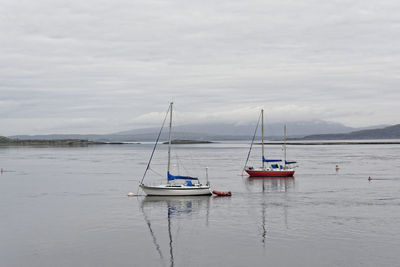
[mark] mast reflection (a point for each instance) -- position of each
(175, 206)
(267, 185)
(270, 184)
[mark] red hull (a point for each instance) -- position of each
(255, 173)
(222, 194)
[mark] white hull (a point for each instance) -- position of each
(181, 190)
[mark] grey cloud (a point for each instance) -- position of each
(103, 66)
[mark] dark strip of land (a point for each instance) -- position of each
(183, 142)
(65, 142)
(337, 143)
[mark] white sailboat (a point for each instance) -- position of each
(191, 185)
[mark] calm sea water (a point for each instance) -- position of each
(69, 207)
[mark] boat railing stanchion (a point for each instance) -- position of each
(208, 183)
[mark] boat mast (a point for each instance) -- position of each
(262, 136)
(284, 144)
(169, 137)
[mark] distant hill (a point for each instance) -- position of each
(145, 137)
(4, 141)
(297, 128)
(208, 132)
(90, 137)
(390, 132)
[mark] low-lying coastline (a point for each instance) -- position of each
(4, 141)
(183, 142)
(335, 143)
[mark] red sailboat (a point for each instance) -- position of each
(274, 167)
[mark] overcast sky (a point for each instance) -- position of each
(94, 66)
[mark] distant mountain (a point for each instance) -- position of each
(390, 132)
(145, 137)
(298, 128)
(209, 132)
(372, 127)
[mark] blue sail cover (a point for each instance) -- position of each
(270, 160)
(290, 162)
(174, 177)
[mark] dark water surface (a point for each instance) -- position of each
(69, 207)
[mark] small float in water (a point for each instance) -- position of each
(222, 194)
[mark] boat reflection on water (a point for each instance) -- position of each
(175, 207)
(267, 185)
(270, 184)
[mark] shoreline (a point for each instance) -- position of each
(86, 143)
(335, 143)
(55, 143)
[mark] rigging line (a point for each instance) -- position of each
(192, 162)
(184, 134)
(185, 169)
(152, 232)
(190, 173)
(155, 145)
(159, 174)
(252, 141)
(179, 163)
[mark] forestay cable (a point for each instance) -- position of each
(251, 146)
(155, 145)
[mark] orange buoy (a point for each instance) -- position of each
(222, 194)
